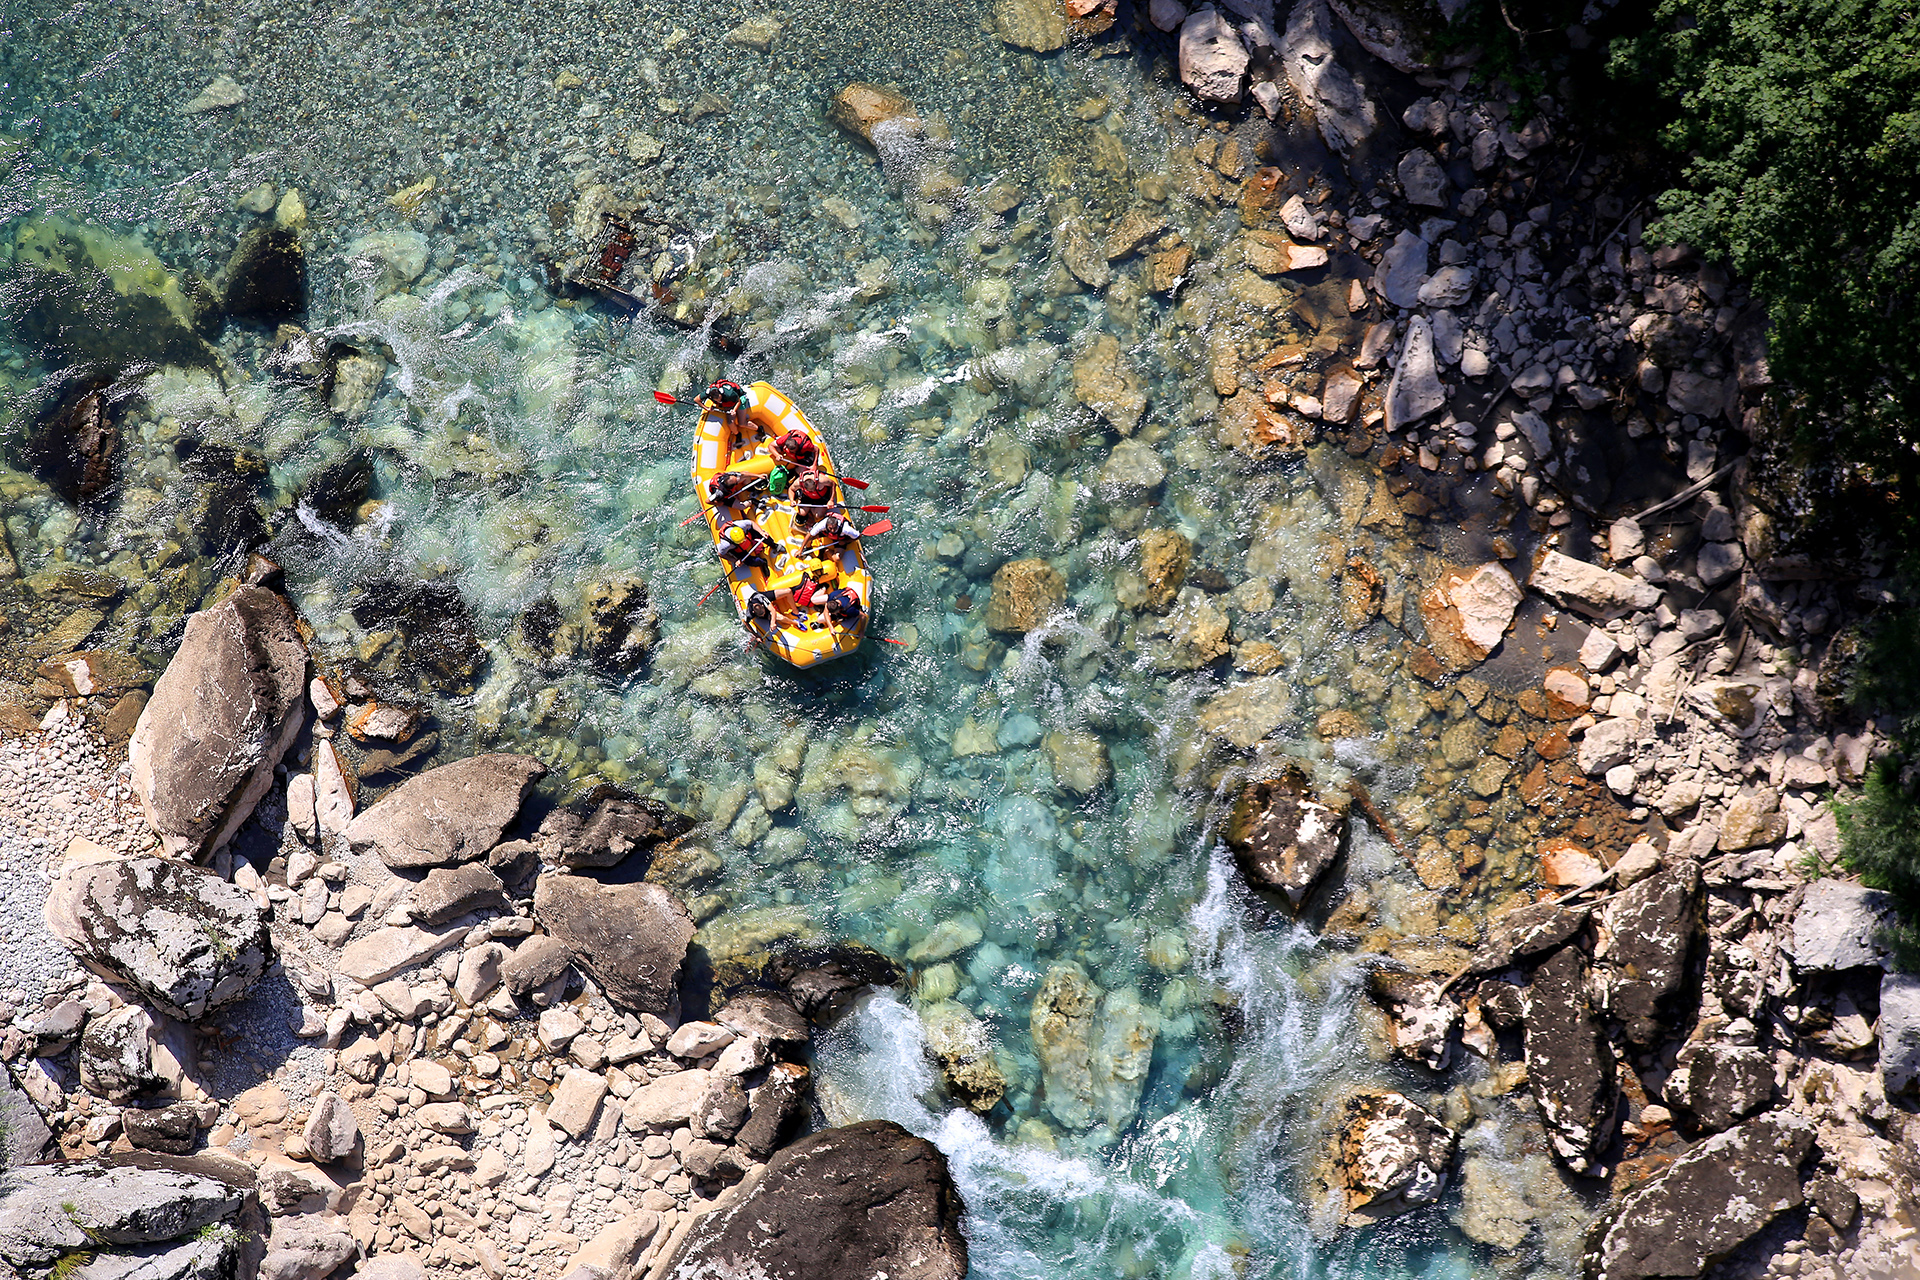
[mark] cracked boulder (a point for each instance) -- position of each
(1707, 1203)
(1716, 1085)
(1570, 1067)
(868, 1199)
(224, 712)
(455, 813)
(51, 1210)
(604, 830)
(191, 942)
(1640, 959)
(632, 938)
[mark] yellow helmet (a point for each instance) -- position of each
(736, 535)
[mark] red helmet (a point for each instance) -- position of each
(726, 394)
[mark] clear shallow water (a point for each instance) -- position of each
(519, 457)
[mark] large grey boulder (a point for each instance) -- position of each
(23, 1130)
(1838, 927)
(1283, 837)
(1213, 61)
(1570, 1067)
(223, 713)
(1706, 1204)
(1402, 270)
(1640, 959)
(631, 938)
(126, 1053)
(451, 892)
(331, 1129)
(869, 1199)
(307, 1246)
(1415, 390)
(47, 1210)
(1899, 1032)
(190, 941)
(1343, 110)
(452, 814)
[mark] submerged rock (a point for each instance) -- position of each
(1707, 1203)
(1039, 25)
(631, 937)
(83, 293)
(441, 639)
(1105, 381)
(224, 712)
(266, 278)
(1247, 713)
(1389, 1156)
(190, 941)
(73, 443)
(869, 1199)
(860, 108)
(620, 626)
(1283, 837)
(959, 1042)
(1164, 557)
(1025, 593)
(1095, 1048)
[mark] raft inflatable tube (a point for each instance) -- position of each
(804, 637)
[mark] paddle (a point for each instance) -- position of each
(880, 526)
(710, 590)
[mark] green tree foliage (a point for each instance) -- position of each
(1798, 124)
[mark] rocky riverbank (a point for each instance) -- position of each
(405, 1040)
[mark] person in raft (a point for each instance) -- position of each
(833, 532)
(813, 494)
(843, 607)
(742, 543)
(767, 609)
(730, 487)
(730, 398)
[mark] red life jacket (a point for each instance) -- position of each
(796, 447)
(813, 488)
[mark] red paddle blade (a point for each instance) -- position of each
(664, 398)
(876, 510)
(889, 640)
(878, 526)
(858, 484)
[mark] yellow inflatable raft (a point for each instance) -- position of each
(803, 636)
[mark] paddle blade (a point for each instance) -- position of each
(664, 398)
(880, 526)
(889, 640)
(858, 484)
(876, 510)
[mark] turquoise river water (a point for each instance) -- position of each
(915, 303)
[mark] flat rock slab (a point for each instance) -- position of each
(631, 937)
(1598, 592)
(1899, 1031)
(223, 713)
(385, 952)
(452, 814)
(869, 1199)
(190, 941)
(1706, 1204)
(1837, 927)
(668, 1101)
(52, 1209)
